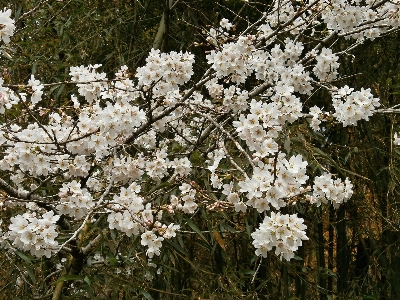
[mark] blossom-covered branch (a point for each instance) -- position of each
(116, 141)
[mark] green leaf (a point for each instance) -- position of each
(24, 257)
(227, 227)
(178, 247)
(204, 213)
(6, 54)
(286, 145)
(31, 275)
(330, 272)
(196, 158)
(196, 229)
(112, 261)
(159, 187)
(34, 66)
(68, 277)
(248, 228)
(18, 12)
(113, 234)
(60, 90)
(146, 294)
(89, 262)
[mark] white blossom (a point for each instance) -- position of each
(284, 233)
(7, 26)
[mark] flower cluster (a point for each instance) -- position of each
(157, 166)
(274, 183)
(7, 26)
(352, 106)
(7, 97)
(326, 189)
(285, 233)
(360, 21)
(74, 201)
(94, 131)
(126, 168)
(396, 140)
(153, 241)
(128, 214)
(235, 99)
(164, 72)
(214, 158)
(284, 12)
(219, 35)
(34, 234)
(182, 166)
(233, 197)
(93, 83)
(316, 114)
(37, 90)
(233, 59)
(261, 126)
(327, 64)
(187, 197)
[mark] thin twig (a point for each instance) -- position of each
(105, 193)
(240, 148)
(256, 271)
(233, 162)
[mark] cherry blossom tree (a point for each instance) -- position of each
(139, 154)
